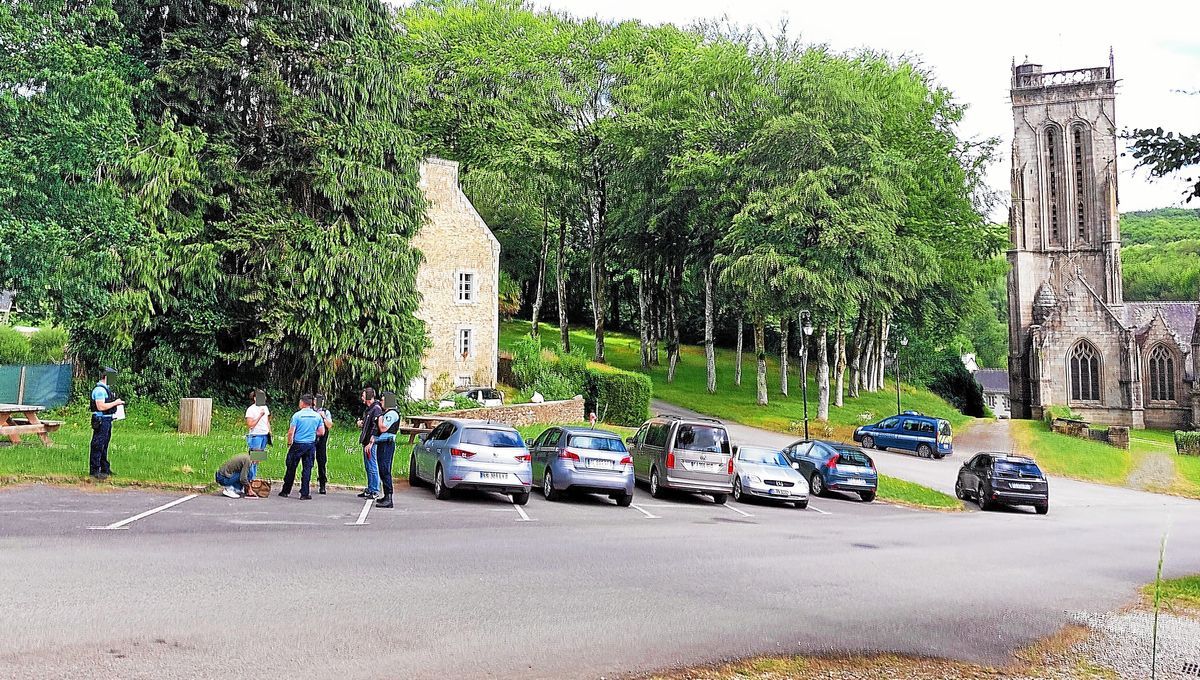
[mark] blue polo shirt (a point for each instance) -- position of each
(306, 423)
(389, 419)
(99, 393)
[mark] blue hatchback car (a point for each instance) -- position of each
(834, 466)
(910, 431)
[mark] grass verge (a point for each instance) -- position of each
(1066, 456)
(907, 493)
(1178, 592)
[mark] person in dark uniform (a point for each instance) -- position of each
(104, 406)
(385, 446)
(322, 442)
(302, 447)
(369, 424)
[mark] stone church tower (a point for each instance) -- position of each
(1073, 340)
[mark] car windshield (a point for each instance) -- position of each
(500, 439)
(596, 443)
(853, 457)
(762, 456)
(1008, 468)
(702, 438)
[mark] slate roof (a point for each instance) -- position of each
(992, 379)
(1180, 316)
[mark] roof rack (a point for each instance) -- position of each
(672, 416)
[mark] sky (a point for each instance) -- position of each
(970, 47)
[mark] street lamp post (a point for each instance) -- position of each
(807, 327)
(903, 343)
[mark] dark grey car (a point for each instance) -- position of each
(685, 454)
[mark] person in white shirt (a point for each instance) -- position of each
(258, 420)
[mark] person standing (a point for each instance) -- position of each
(258, 420)
(322, 442)
(104, 407)
(388, 424)
(302, 446)
(369, 424)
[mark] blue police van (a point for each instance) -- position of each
(910, 431)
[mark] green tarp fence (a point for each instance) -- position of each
(47, 385)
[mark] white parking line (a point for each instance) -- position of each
(362, 516)
(123, 523)
(823, 512)
(521, 512)
(644, 511)
(743, 513)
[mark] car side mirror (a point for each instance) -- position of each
(795, 465)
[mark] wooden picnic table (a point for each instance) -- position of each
(413, 432)
(19, 419)
(429, 422)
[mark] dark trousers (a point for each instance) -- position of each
(101, 435)
(322, 459)
(385, 451)
(297, 454)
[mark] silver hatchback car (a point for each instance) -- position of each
(582, 459)
(472, 454)
(763, 472)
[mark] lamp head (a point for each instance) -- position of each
(904, 341)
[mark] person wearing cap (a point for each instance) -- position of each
(388, 424)
(369, 423)
(302, 447)
(322, 442)
(104, 406)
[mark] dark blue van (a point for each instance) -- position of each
(910, 431)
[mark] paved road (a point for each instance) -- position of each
(470, 589)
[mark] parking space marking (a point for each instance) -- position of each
(644, 511)
(125, 522)
(741, 512)
(521, 512)
(823, 512)
(362, 516)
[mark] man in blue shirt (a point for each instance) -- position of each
(104, 406)
(306, 426)
(387, 425)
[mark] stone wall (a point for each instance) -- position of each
(519, 415)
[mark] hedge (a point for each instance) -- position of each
(616, 396)
(1050, 413)
(621, 397)
(1187, 443)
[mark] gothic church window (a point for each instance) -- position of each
(1162, 374)
(1081, 155)
(1054, 188)
(1084, 368)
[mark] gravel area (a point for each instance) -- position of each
(1122, 641)
(1156, 471)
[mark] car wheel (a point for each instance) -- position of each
(867, 496)
(413, 479)
(520, 498)
(720, 498)
(1042, 509)
(981, 499)
(655, 489)
(737, 491)
(801, 505)
(868, 442)
(958, 490)
(817, 485)
(548, 489)
(625, 500)
(924, 451)
(440, 490)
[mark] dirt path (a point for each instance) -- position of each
(984, 435)
(1154, 472)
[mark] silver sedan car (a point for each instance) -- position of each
(472, 454)
(763, 472)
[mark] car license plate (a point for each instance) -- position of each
(779, 492)
(493, 475)
(705, 467)
(858, 482)
(599, 464)
(1023, 487)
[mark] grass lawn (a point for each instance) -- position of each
(1178, 591)
(908, 493)
(147, 451)
(737, 403)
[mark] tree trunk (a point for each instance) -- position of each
(737, 368)
(803, 354)
(710, 352)
(839, 368)
(783, 356)
(823, 374)
(884, 331)
(867, 360)
(561, 272)
(760, 351)
(856, 349)
(541, 276)
(673, 321)
(644, 319)
(599, 281)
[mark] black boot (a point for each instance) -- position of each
(385, 502)
(321, 490)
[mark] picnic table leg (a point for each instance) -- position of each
(43, 435)
(4, 420)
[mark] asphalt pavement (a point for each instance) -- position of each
(478, 588)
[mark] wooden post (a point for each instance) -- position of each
(21, 387)
(195, 416)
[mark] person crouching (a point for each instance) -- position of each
(235, 475)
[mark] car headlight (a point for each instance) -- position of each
(755, 479)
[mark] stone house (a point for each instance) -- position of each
(459, 281)
(994, 383)
(1073, 339)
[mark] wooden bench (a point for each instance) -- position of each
(18, 419)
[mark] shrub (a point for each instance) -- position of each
(14, 347)
(1187, 443)
(620, 397)
(1050, 413)
(48, 346)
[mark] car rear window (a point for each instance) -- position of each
(596, 443)
(1007, 468)
(491, 394)
(853, 457)
(703, 438)
(500, 439)
(945, 429)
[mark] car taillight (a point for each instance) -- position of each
(730, 465)
(871, 463)
(671, 460)
(833, 461)
(523, 458)
(627, 460)
(459, 453)
(568, 454)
